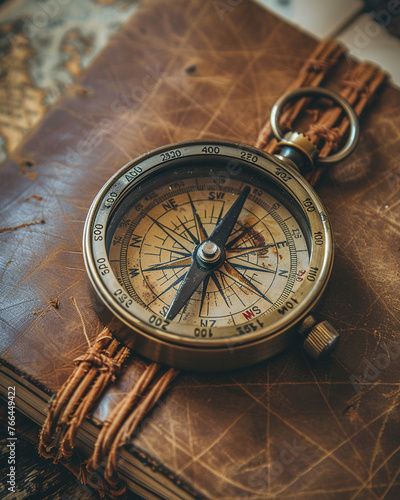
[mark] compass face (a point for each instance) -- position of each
(151, 248)
(205, 249)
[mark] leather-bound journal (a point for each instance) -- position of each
(287, 427)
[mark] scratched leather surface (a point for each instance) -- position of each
(286, 428)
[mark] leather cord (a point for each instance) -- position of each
(95, 370)
(358, 86)
(312, 74)
(122, 422)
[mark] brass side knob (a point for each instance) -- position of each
(321, 340)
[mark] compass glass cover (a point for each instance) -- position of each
(157, 230)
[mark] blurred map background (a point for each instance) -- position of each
(44, 47)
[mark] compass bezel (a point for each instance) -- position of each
(168, 342)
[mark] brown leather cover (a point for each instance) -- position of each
(287, 428)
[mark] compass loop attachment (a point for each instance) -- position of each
(298, 150)
(299, 143)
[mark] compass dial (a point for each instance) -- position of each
(210, 252)
(155, 242)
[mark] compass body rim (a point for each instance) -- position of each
(149, 334)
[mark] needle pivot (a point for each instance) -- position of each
(209, 252)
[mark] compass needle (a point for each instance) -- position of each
(193, 278)
(225, 226)
(208, 256)
(176, 282)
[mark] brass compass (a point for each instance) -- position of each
(214, 253)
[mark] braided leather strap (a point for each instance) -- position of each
(329, 127)
(95, 370)
(359, 88)
(93, 373)
(312, 74)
